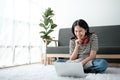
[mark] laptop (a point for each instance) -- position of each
(69, 69)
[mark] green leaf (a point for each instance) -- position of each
(47, 21)
(50, 31)
(42, 25)
(45, 37)
(43, 32)
(53, 26)
(51, 21)
(48, 12)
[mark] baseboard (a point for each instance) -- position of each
(114, 64)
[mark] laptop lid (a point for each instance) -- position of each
(69, 69)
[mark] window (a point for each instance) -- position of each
(20, 41)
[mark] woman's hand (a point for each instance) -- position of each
(78, 42)
(90, 57)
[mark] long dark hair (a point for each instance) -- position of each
(82, 23)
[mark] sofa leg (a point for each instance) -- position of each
(42, 61)
(49, 60)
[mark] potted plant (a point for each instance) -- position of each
(47, 25)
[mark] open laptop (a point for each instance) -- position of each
(69, 69)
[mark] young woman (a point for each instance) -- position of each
(84, 46)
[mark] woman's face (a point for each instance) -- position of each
(79, 32)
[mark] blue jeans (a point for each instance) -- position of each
(99, 65)
(61, 60)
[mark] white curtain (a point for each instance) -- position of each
(20, 41)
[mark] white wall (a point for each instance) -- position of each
(95, 12)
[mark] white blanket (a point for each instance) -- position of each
(41, 72)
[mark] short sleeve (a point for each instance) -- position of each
(94, 42)
(71, 46)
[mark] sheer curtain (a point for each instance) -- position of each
(20, 41)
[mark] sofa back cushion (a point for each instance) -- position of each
(65, 35)
(107, 35)
(108, 39)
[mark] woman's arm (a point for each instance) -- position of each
(75, 53)
(76, 49)
(90, 57)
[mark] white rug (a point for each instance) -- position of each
(41, 72)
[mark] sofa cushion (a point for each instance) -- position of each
(58, 50)
(109, 50)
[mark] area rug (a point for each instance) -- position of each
(41, 72)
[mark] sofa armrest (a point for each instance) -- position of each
(55, 41)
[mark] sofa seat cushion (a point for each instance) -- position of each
(109, 50)
(58, 50)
